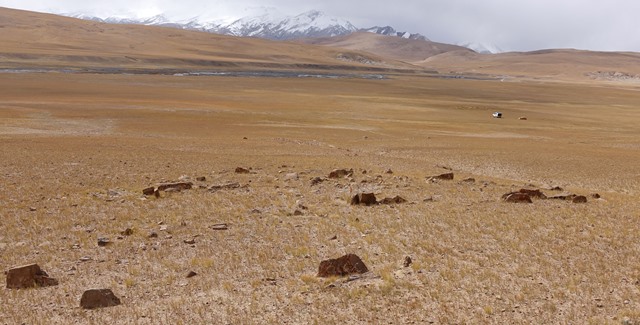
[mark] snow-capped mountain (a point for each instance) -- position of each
(390, 31)
(269, 24)
(482, 48)
(264, 23)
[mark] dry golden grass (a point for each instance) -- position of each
(79, 149)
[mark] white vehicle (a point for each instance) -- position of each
(497, 115)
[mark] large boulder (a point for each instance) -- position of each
(28, 276)
(98, 298)
(342, 266)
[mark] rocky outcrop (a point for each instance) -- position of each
(342, 266)
(98, 298)
(28, 276)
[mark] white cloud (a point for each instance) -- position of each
(510, 24)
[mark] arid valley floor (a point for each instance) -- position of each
(78, 148)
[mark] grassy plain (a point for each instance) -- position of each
(77, 149)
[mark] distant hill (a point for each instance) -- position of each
(397, 48)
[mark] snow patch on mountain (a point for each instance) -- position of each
(482, 48)
(390, 31)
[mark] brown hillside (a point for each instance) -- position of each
(548, 64)
(30, 38)
(397, 48)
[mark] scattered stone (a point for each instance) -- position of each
(364, 199)
(443, 177)
(428, 199)
(149, 190)
(340, 173)
(191, 274)
(407, 261)
(85, 259)
(28, 276)
(98, 298)
(190, 241)
(220, 226)
(556, 188)
(388, 171)
(241, 170)
(33, 209)
(517, 197)
(153, 234)
(201, 179)
(595, 195)
(177, 187)
(229, 186)
(395, 200)
(345, 265)
(103, 241)
(298, 213)
(334, 237)
(316, 180)
(579, 199)
(291, 177)
(470, 180)
(127, 232)
(522, 118)
(568, 197)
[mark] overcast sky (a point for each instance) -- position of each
(608, 25)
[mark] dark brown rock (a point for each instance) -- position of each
(442, 177)
(533, 193)
(407, 261)
(568, 197)
(191, 274)
(220, 226)
(364, 199)
(298, 213)
(189, 241)
(149, 190)
(394, 200)
(316, 180)
(241, 170)
(345, 265)
(229, 186)
(175, 186)
(517, 197)
(127, 232)
(103, 241)
(579, 199)
(340, 173)
(28, 276)
(595, 195)
(201, 179)
(469, 180)
(98, 298)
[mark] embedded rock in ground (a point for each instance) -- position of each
(568, 197)
(28, 276)
(241, 170)
(533, 193)
(229, 186)
(149, 190)
(595, 195)
(175, 186)
(579, 199)
(517, 197)
(191, 274)
(364, 199)
(316, 180)
(469, 180)
(127, 232)
(103, 241)
(407, 261)
(98, 298)
(345, 265)
(201, 179)
(394, 200)
(443, 177)
(291, 177)
(340, 173)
